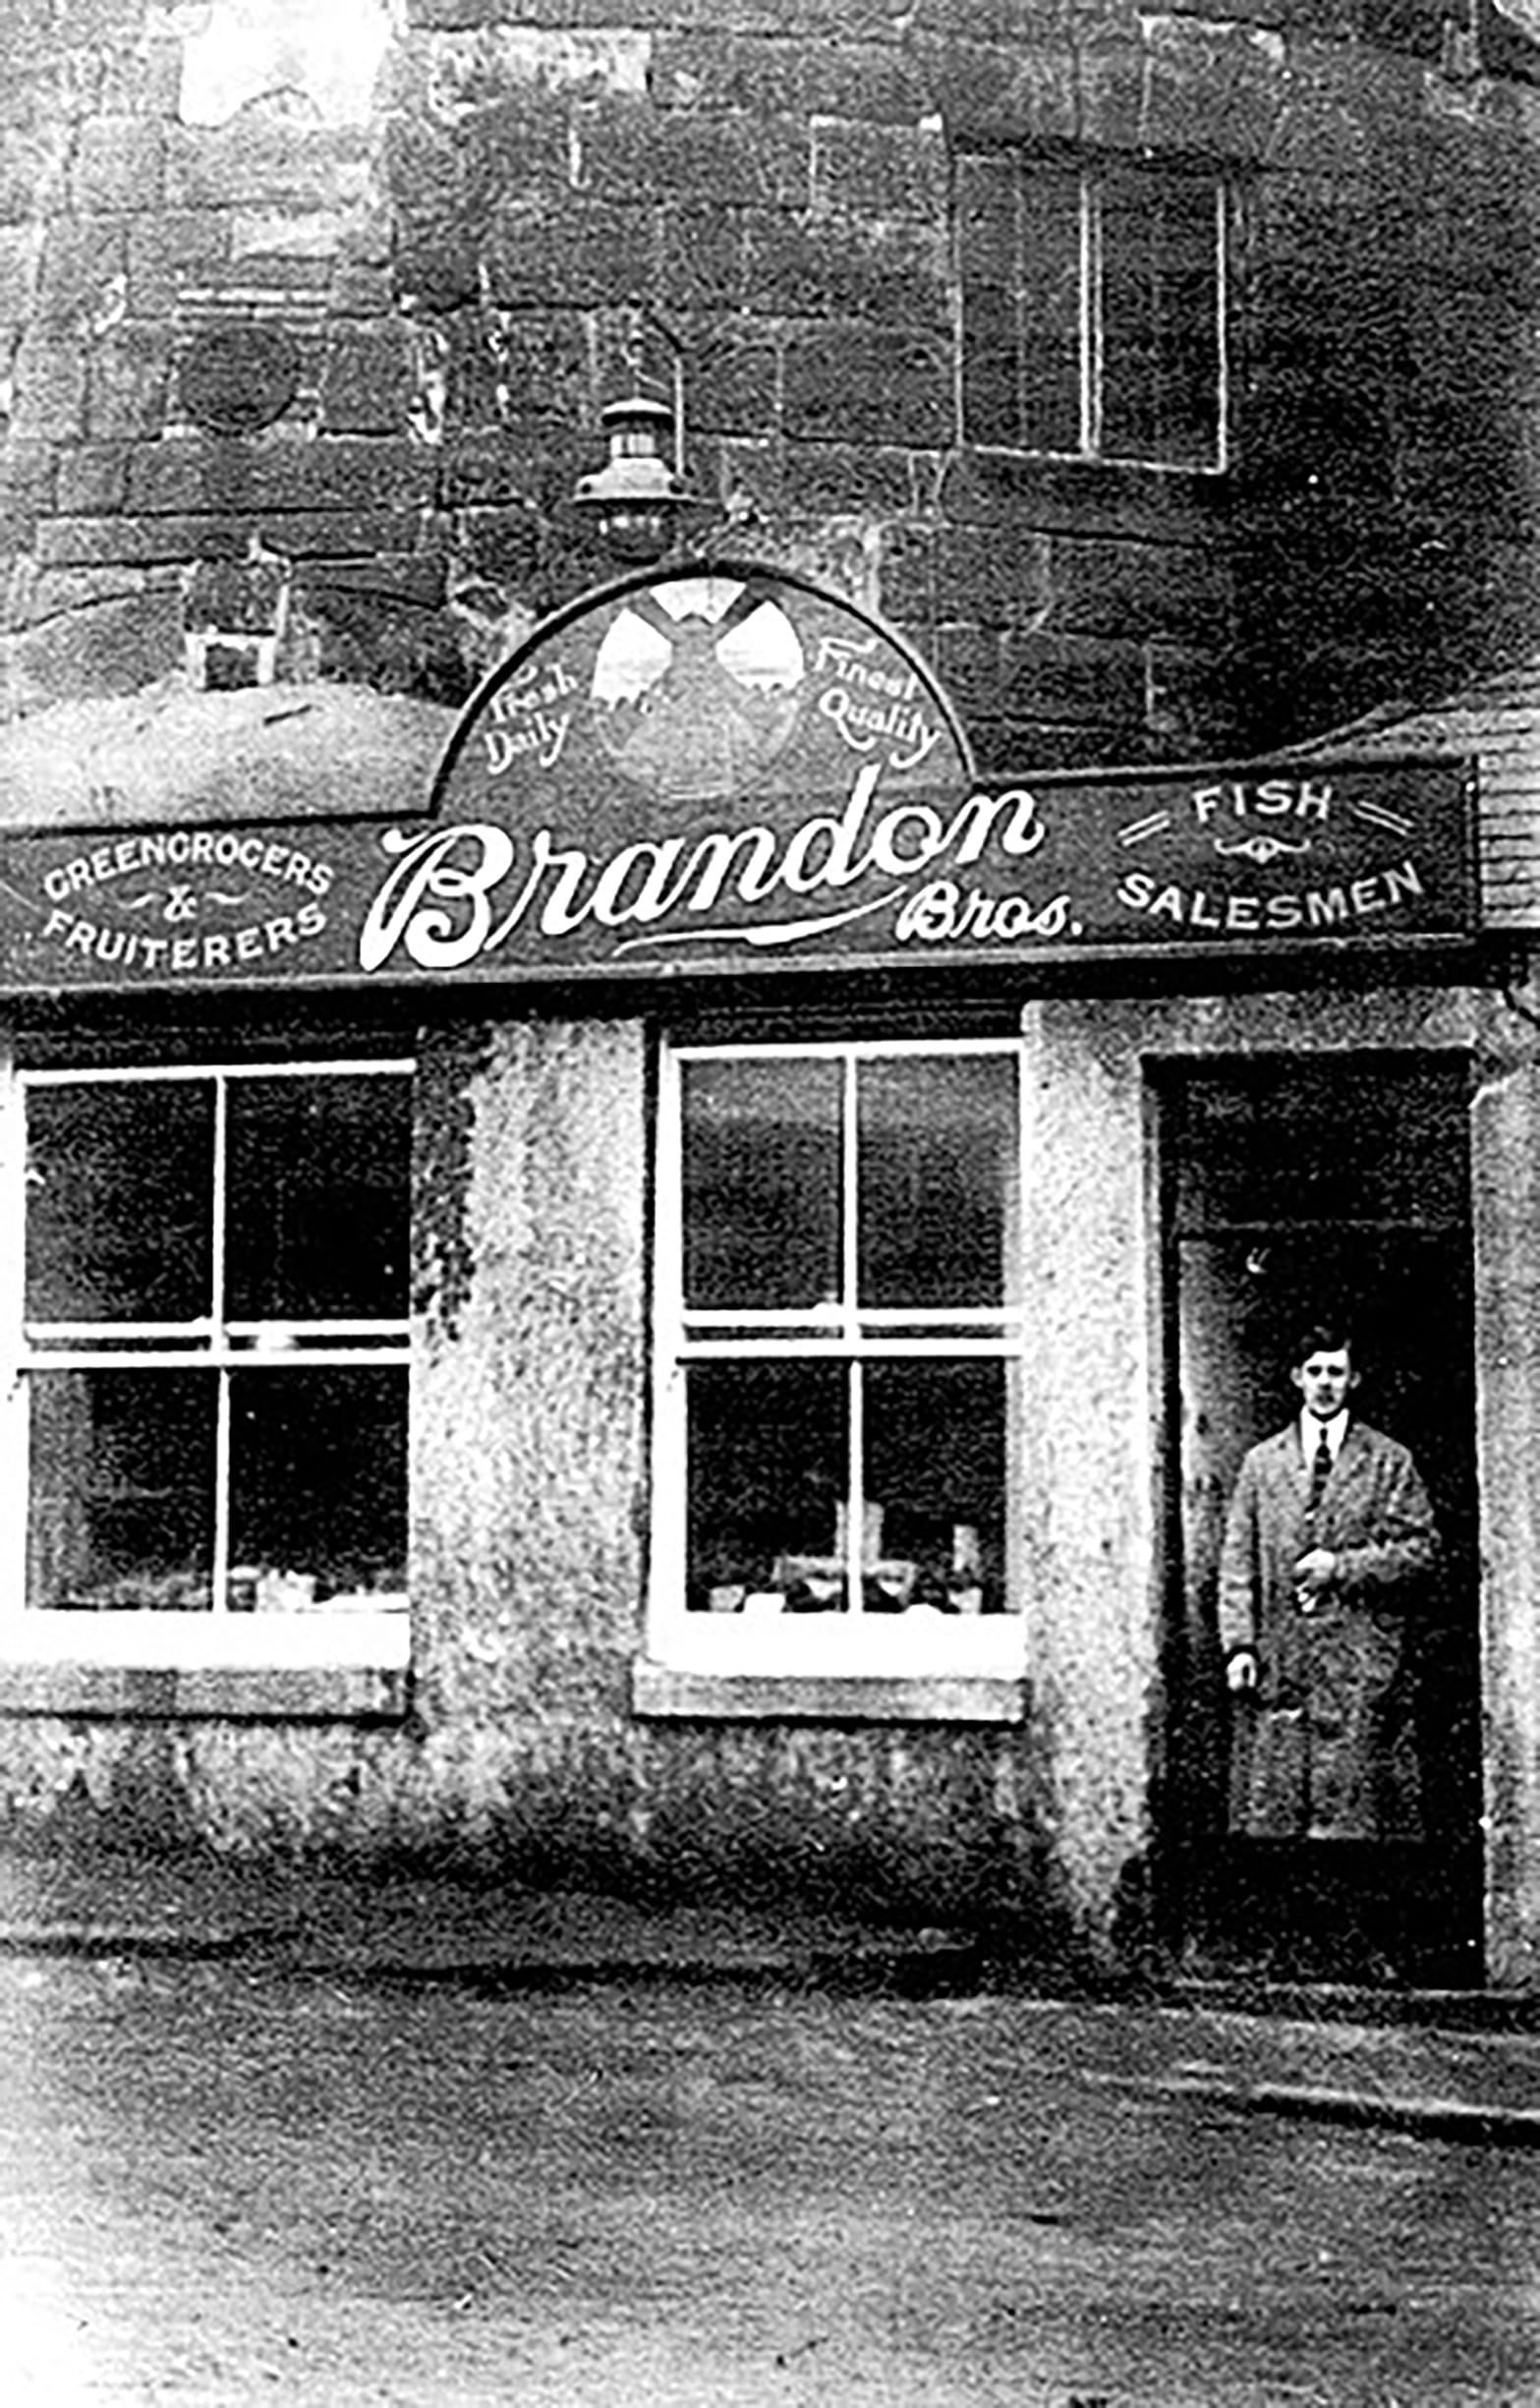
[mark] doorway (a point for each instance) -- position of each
(1295, 1187)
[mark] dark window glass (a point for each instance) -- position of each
(1091, 310)
(1049, 311)
(935, 1480)
(318, 1216)
(991, 352)
(163, 1487)
(936, 1154)
(768, 1453)
(1356, 1139)
(120, 1201)
(122, 1506)
(761, 1174)
(802, 1470)
(317, 1483)
(1021, 300)
(1160, 323)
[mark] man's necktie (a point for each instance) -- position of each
(1320, 1471)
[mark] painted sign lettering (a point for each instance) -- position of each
(730, 771)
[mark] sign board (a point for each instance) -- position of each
(733, 771)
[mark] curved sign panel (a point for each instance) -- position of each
(700, 765)
(729, 770)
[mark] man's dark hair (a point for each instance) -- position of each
(1322, 1337)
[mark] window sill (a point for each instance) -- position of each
(1092, 495)
(336, 1693)
(659, 1693)
(1106, 464)
(302, 1667)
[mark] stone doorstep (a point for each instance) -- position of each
(1458, 2120)
(1467, 2009)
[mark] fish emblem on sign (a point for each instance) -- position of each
(698, 688)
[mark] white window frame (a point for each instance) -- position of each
(1093, 179)
(362, 1636)
(852, 1648)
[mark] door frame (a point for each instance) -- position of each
(1196, 1868)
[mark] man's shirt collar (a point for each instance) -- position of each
(1311, 1432)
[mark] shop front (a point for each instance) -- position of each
(685, 1309)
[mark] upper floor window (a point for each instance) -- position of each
(839, 1339)
(1093, 310)
(209, 1435)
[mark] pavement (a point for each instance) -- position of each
(1461, 2066)
(437, 1927)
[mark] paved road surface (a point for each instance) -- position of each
(219, 2186)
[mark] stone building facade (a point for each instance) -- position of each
(1161, 386)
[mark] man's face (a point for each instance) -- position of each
(1323, 1380)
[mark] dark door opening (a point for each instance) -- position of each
(1291, 1187)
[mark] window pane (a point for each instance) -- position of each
(1160, 319)
(1281, 1143)
(319, 1198)
(987, 223)
(768, 1453)
(762, 1173)
(1048, 290)
(936, 1171)
(990, 413)
(122, 1509)
(1020, 241)
(318, 1484)
(120, 1201)
(934, 1479)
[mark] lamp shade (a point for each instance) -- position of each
(637, 494)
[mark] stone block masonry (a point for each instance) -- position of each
(469, 221)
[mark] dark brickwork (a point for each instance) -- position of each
(532, 201)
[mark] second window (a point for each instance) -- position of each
(1093, 310)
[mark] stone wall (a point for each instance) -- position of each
(306, 317)
(520, 1756)
(212, 399)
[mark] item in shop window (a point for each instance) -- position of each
(285, 1592)
(145, 1593)
(889, 1588)
(965, 1584)
(815, 1596)
(811, 1584)
(363, 1584)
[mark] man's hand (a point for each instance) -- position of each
(1313, 1576)
(1240, 1673)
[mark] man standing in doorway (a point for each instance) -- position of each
(1329, 1552)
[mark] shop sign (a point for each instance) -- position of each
(734, 772)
